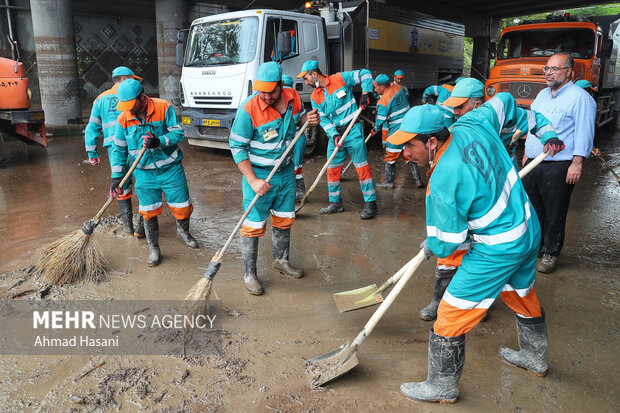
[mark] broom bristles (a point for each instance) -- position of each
(200, 290)
(71, 258)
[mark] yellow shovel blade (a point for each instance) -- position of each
(356, 299)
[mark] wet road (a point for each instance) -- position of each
(46, 193)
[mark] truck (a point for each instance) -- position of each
(220, 55)
(523, 50)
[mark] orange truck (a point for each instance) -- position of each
(523, 50)
(16, 118)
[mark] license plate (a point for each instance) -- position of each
(211, 122)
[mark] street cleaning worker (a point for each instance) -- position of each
(152, 123)
(473, 194)
(299, 151)
(103, 116)
(439, 94)
(391, 109)
(264, 127)
(336, 104)
(505, 117)
(399, 77)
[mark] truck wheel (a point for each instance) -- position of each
(316, 140)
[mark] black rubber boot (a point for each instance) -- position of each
(280, 245)
(369, 211)
(249, 250)
(151, 228)
(332, 208)
(442, 279)
(183, 231)
(124, 205)
(446, 357)
(415, 171)
(532, 333)
(390, 174)
(138, 232)
(300, 189)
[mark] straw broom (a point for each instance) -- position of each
(75, 256)
(199, 293)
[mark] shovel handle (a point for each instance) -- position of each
(609, 167)
(412, 266)
(526, 170)
(218, 255)
(120, 185)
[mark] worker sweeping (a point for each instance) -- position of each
(299, 151)
(439, 94)
(506, 118)
(336, 104)
(471, 195)
(391, 109)
(264, 126)
(399, 77)
(152, 123)
(103, 119)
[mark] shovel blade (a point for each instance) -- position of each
(331, 365)
(356, 299)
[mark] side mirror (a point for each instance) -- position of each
(493, 50)
(606, 48)
(182, 35)
(179, 54)
(284, 44)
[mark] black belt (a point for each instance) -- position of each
(341, 129)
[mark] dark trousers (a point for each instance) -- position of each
(550, 195)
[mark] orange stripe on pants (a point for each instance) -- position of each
(527, 306)
(364, 173)
(150, 214)
(454, 322)
(282, 223)
(182, 213)
(252, 232)
(333, 174)
(452, 260)
(126, 196)
(391, 156)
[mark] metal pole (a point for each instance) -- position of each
(12, 38)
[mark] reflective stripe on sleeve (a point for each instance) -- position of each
(451, 237)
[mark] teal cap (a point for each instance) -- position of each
(128, 90)
(382, 79)
(419, 119)
(287, 80)
(267, 76)
(308, 65)
(584, 84)
(458, 79)
(465, 89)
(399, 73)
(124, 71)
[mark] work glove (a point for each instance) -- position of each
(374, 133)
(150, 141)
(364, 101)
(336, 140)
(95, 161)
(115, 191)
(553, 146)
(427, 252)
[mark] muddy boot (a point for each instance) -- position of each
(442, 279)
(547, 264)
(280, 245)
(415, 171)
(124, 205)
(333, 208)
(151, 228)
(532, 333)
(369, 211)
(300, 189)
(249, 250)
(183, 231)
(390, 169)
(446, 356)
(138, 232)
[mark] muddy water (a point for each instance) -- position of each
(46, 193)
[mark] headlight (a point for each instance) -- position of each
(490, 91)
(186, 120)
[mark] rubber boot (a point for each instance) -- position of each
(151, 228)
(139, 230)
(415, 171)
(280, 245)
(442, 279)
(124, 205)
(446, 357)
(249, 250)
(547, 264)
(183, 231)
(390, 174)
(300, 189)
(369, 211)
(532, 333)
(332, 208)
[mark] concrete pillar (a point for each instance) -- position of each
(52, 24)
(170, 17)
(480, 60)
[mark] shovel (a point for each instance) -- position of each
(336, 149)
(340, 361)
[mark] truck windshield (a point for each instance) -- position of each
(546, 42)
(224, 42)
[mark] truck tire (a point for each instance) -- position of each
(316, 140)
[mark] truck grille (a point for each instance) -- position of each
(213, 100)
(509, 72)
(521, 90)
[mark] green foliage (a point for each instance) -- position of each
(600, 10)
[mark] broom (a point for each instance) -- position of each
(202, 288)
(74, 257)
